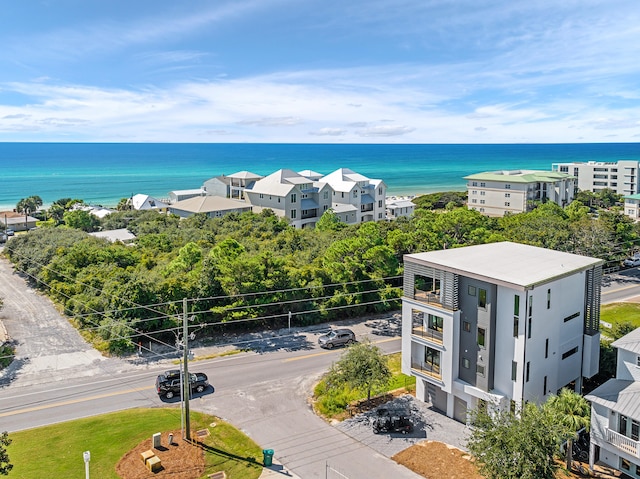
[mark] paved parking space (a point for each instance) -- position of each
(428, 424)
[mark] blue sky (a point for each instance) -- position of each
(320, 71)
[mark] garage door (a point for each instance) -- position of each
(460, 410)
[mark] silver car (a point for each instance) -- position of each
(337, 337)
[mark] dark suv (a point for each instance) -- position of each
(168, 384)
(337, 337)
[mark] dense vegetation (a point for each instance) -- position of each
(250, 271)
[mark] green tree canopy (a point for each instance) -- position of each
(573, 412)
(363, 367)
(5, 465)
(515, 446)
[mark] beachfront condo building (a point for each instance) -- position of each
(620, 176)
(497, 193)
(499, 323)
(615, 411)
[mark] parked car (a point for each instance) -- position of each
(390, 421)
(10, 232)
(169, 384)
(631, 262)
(337, 337)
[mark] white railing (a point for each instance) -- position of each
(623, 442)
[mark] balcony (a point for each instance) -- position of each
(622, 442)
(429, 297)
(431, 370)
(432, 335)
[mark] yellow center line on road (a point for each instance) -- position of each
(313, 355)
(73, 401)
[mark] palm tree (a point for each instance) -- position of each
(28, 206)
(573, 412)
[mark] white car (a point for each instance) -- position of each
(631, 262)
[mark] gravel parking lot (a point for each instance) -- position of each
(427, 424)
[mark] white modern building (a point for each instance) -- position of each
(496, 193)
(500, 323)
(620, 176)
(615, 411)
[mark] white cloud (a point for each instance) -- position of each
(385, 130)
(329, 132)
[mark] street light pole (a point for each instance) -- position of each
(87, 457)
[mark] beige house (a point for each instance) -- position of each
(212, 206)
(496, 193)
(15, 221)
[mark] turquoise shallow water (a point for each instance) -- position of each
(102, 173)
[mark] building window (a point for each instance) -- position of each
(506, 203)
(379, 203)
(544, 386)
(482, 298)
(379, 191)
(474, 183)
(514, 370)
(546, 348)
(516, 305)
(482, 193)
(480, 370)
(507, 187)
(625, 464)
(507, 195)
(482, 202)
(293, 214)
(530, 305)
(473, 200)
(574, 315)
(638, 361)
(293, 198)
(471, 290)
(355, 193)
(548, 299)
(571, 352)
(529, 328)
(261, 196)
(528, 368)
(326, 195)
(635, 430)
(515, 326)
(483, 184)
(466, 363)
(481, 337)
(466, 326)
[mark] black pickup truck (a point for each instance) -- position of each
(168, 384)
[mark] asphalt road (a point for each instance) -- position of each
(59, 377)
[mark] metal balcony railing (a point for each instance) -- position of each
(432, 297)
(433, 335)
(432, 370)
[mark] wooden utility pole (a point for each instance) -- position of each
(185, 359)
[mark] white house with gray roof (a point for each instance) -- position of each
(496, 193)
(231, 186)
(501, 322)
(291, 195)
(356, 198)
(615, 411)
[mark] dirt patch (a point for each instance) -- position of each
(181, 460)
(436, 460)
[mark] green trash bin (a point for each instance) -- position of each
(267, 455)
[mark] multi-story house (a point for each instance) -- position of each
(632, 206)
(615, 411)
(291, 195)
(620, 176)
(502, 323)
(399, 207)
(356, 198)
(231, 186)
(496, 193)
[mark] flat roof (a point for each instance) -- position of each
(511, 263)
(520, 176)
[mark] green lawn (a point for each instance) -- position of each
(56, 450)
(616, 314)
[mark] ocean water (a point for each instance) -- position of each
(103, 173)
